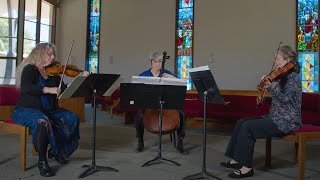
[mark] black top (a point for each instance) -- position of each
(30, 89)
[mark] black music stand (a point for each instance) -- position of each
(93, 85)
(149, 96)
(208, 91)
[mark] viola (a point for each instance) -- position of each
(57, 68)
(276, 75)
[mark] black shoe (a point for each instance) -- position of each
(229, 165)
(240, 175)
(58, 158)
(140, 146)
(44, 169)
(180, 147)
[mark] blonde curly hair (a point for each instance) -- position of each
(36, 56)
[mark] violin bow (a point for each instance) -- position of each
(64, 69)
(275, 57)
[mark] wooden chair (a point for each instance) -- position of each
(7, 126)
(307, 133)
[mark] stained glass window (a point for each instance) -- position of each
(308, 44)
(184, 39)
(93, 36)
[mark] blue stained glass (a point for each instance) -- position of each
(315, 86)
(93, 36)
(185, 3)
(184, 38)
(308, 43)
(186, 13)
(308, 12)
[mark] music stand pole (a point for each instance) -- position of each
(158, 159)
(203, 174)
(93, 167)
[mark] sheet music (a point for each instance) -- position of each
(72, 87)
(201, 68)
(114, 86)
(159, 81)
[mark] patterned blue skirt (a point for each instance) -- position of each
(62, 128)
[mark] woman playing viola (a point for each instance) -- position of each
(156, 70)
(284, 117)
(38, 109)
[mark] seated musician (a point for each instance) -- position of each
(38, 109)
(157, 71)
(284, 116)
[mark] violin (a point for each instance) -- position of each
(56, 68)
(276, 75)
(170, 117)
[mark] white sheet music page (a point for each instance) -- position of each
(201, 68)
(159, 81)
(72, 87)
(145, 80)
(114, 86)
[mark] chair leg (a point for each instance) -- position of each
(268, 153)
(174, 140)
(296, 148)
(301, 153)
(23, 139)
(34, 152)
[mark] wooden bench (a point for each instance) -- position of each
(307, 133)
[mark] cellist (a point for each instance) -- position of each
(284, 116)
(156, 60)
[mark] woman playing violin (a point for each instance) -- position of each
(284, 116)
(38, 109)
(156, 70)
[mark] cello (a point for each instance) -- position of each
(170, 117)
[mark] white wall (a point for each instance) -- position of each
(241, 37)
(72, 25)
(131, 29)
(236, 38)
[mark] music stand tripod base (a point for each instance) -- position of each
(203, 174)
(94, 168)
(159, 159)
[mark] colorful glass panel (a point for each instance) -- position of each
(93, 65)
(93, 39)
(186, 3)
(184, 38)
(308, 44)
(183, 64)
(95, 8)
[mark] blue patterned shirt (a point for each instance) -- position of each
(148, 73)
(285, 110)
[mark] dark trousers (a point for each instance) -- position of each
(245, 133)
(140, 127)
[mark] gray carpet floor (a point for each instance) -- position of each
(116, 148)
